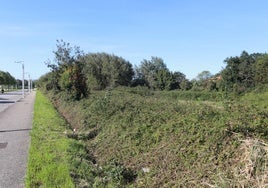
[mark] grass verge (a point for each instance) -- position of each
(48, 161)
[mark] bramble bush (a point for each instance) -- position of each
(180, 141)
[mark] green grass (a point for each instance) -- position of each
(257, 99)
(180, 140)
(48, 164)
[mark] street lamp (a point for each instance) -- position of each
(29, 82)
(21, 62)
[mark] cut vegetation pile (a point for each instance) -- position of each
(140, 138)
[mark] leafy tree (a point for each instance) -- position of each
(67, 71)
(94, 71)
(44, 82)
(239, 73)
(138, 78)
(18, 82)
(246, 70)
(185, 84)
(155, 74)
(2, 78)
(203, 76)
(10, 79)
(164, 79)
(230, 73)
(150, 71)
(104, 70)
(211, 85)
(122, 71)
(167, 80)
(177, 79)
(6, 78)
(203, 81)
(261, 70)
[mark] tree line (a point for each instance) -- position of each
(245, 72)
(8, 81)
(6, 78)
(76, 73)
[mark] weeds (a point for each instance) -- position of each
(254, 163)
(189, 143)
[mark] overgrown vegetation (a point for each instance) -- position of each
(209, 132)
(135, 137)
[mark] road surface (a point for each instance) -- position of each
(16, 115)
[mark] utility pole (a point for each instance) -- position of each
(29, 82)
(21, 62)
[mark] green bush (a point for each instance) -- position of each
(194, 95)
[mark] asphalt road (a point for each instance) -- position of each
(16, 115)
(8, 99)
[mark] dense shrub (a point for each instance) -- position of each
(144, 138)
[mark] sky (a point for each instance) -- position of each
(189, 35)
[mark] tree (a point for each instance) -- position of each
(67, 71)
(150, 70)
(185, 84)
(239, 73)
(154, 74)
(93, 71)
(202, 81)
(261, 70)
(18, 82)
(44, 82)
(230, 73)
(164, 79)
(138, 78)
(203, 76)
(246, 70)
(177, 79)
(10, 79)
(6, 78)
(2, 78)
(122, 71)
(105, 70)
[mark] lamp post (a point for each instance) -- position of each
(29, 82)
(21, 62)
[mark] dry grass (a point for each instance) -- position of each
(255, 159)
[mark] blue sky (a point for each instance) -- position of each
(189, 35)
